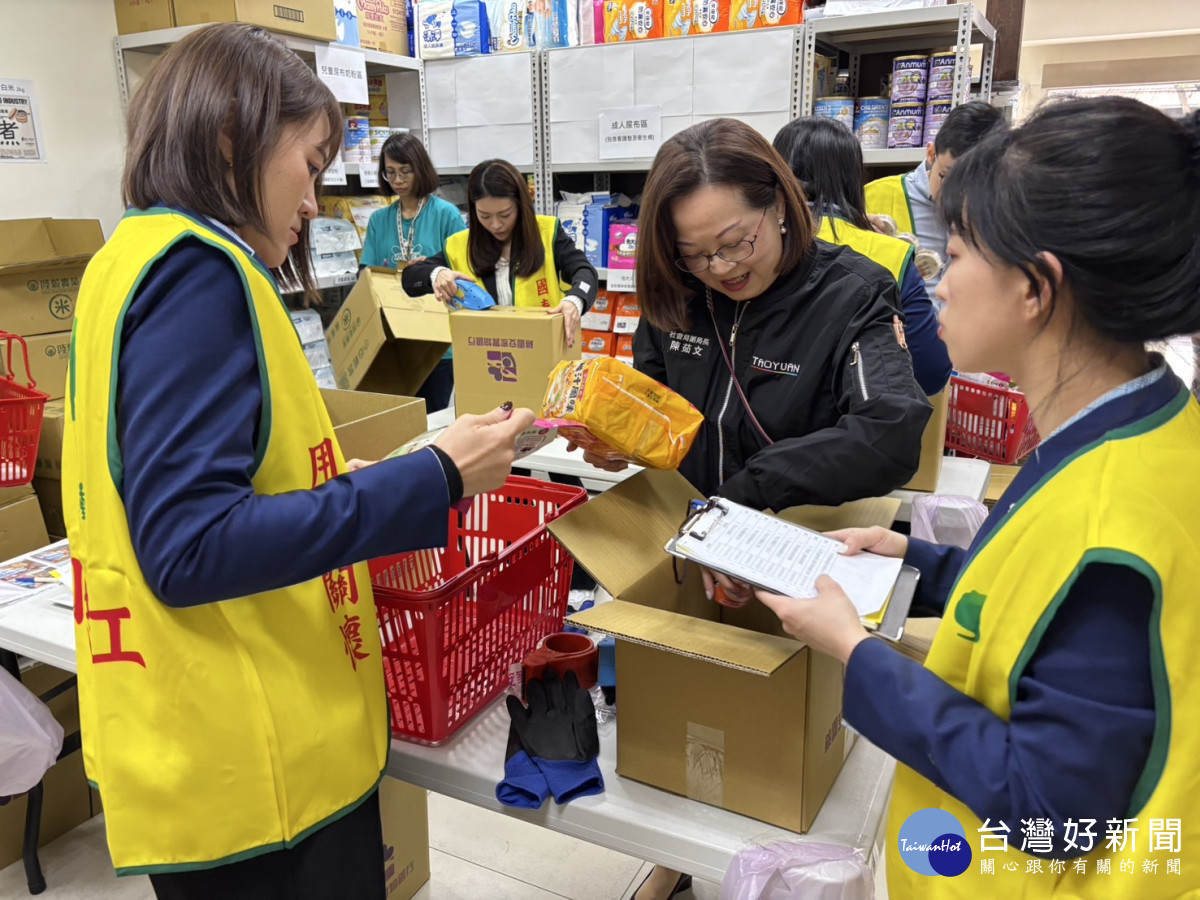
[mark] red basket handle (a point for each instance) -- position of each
(6, 336)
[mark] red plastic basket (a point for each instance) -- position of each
(989, 422)
(21, 410)
(452, 621)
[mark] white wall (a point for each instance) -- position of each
(65, 48)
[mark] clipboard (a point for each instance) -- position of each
(785, 558)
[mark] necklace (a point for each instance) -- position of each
(404, 250)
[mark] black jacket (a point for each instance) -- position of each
(820, 363)
(569, 262)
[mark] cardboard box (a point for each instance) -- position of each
(404, 810)
(933, 446)
(506, 353)
(67, 800)
(49, 453)
(50, 499)
(370, 426)
(383, 26)
(600, 316)
(383, 340)
(597, 344)
(716, 704)
(48, 356)
(134, 16)
(627, 314)
(41, 263)
(306, 18)
(22, 528)
(624, 348)
(13, 494)
(998, 483)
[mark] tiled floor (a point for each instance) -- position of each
(475, 855)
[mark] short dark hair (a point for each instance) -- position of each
(827, 159)
(231, 79)
(965, 126)
(406, 150)
(718, 151)
(1062, 184)
(500, 179)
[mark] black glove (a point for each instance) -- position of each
(558, 732)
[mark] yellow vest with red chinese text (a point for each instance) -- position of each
(889, 197)
(1131, 499)
(542, 288)
(226, 730)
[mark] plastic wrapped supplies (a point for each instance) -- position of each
(949, 520)
(806, 869)
(30, 738)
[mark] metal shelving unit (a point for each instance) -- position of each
(960, 25)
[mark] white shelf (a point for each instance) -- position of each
(523, 168)
(906, 157)
(883, 32)
(324, 284)
(604, 165)
(158, 41)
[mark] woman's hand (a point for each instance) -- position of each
(571, 315)
(353, 465)
(828, 623)
(483, 447)
(444, 287)
(877, 540)
(608, 465)
(725, 590)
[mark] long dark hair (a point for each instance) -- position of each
(1109, 186)
(827, 159)
(500, 179)
(228, 79)
(718, 151)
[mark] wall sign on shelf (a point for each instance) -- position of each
(368, 174)
(622, 280)
(335, 174)
(632, 132)
(344, 71)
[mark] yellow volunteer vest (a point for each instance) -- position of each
(542, 289)
(891, 253)
(889, 197)
(231, 729)
(1134, 500)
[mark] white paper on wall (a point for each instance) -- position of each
(584, 80)
(495, 89)
(663, 72)
(441, 96)
(511, 142)
(443, 147)
(748, 72)
(573, 142)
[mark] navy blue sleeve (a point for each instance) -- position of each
(931, 361)
(1080, 729)
(939, 565)
(189, 401)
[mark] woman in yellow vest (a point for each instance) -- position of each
(231, 691)
(827, 159)
(520, 258)
(1048, 746)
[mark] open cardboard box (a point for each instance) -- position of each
(716, 704)
(41, 263)
(370, 426)
(933, 446)
(385, 341)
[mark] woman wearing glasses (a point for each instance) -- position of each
(417, 225)
(791, 347)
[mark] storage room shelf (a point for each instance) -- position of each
(605, 165)
(158, 41)
(897, 29)
(323, 284)
(907, 157)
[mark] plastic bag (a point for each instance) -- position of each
(948, 520)
(30, 738)
(807, 869)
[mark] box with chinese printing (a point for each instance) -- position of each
(383, 26)
(383, 340)
(627, 315)
(506, 353)
(48, 357)
(597, 344)
(758, 730)
(404, 809)
(306, 18)
(41, 264)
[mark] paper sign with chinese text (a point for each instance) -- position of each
(20, 136)
(632, 132)
(344, 71)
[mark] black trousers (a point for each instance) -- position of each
(342, 861)
(438, 386)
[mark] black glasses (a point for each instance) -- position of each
(397, 174)
(731, 253)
